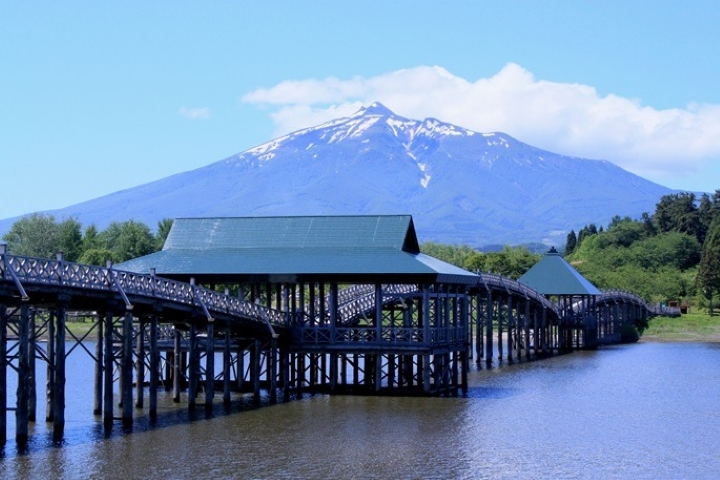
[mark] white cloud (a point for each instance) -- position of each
(202, 113)
(566, 118)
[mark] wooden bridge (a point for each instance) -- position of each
(405, 330)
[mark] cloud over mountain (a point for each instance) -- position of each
(562, 117)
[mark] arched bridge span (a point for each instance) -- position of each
(372, 337)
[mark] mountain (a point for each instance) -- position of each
(461, 186)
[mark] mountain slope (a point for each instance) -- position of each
(460, 186)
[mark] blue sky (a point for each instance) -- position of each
(97, 97)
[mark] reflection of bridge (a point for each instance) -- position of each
(409, 336)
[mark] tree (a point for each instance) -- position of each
(129, 239)
(163, 229)
(570, 243)
(70, 239)
(36, 235)
(708, 275)
(678, 213)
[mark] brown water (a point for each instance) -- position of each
(635, 411)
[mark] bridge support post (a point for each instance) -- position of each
(210, 365)
(154, 365)
(255, 365)
(59, 383)
(500, 329)
(193, 367)
(32, 365)
(23, 371)
(140, 365)
(272, 370)
(177, 354)
(226, 366)
(98, 377)
(512, 330)
(489, 328)
(126, 372)
(108, 362)
(3, 375)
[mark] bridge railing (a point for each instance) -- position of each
(407, 336)
(499, 282)
(623, 296)
(59, 273)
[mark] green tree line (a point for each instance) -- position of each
(40, 235)
(671, 254)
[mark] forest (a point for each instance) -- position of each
(672, 254)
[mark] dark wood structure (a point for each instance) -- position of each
(281, 305)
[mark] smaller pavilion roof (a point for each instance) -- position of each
(360, 248)
(552, 275)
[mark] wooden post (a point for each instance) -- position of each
(210, 365)
(126, 371)
(154, 365)
(193, 366)
(512, 329)
(32, 386)
(21, 410)
(98, 384)
(500, 328)
(3, 375)
(255, 366)
(140, 366)
(526, 327)
(489, 328)
(226, 367)
(427, 340)
(50, 370)
(109, 361)
(59, 384)
(177, 354)
(272, 370)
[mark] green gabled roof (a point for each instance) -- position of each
(395, 232)
(552, 275)
(294, 249)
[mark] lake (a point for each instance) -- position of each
(645, 410)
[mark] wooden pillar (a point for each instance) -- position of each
(98, 384)
(255, 370)
(300, 374)
(126, 371)
(272, 370)
(140, 366)
(108, 361)
(285, 369)
(23, 377)
(3, 375)
(50, 370)
(210, 365)
(526, 327)
(489, 328)
(479, 334)
(177, 354)
(32, 386)
(424, 367)
(500, 328)
(59, 383)
(226, 367)
(193, 366)
(512, 329)
(154, 365)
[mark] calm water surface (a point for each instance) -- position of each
(649, 410)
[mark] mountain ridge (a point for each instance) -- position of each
(461, 186)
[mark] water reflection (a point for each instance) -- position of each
(641, 411)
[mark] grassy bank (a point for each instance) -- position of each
(692, 327)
